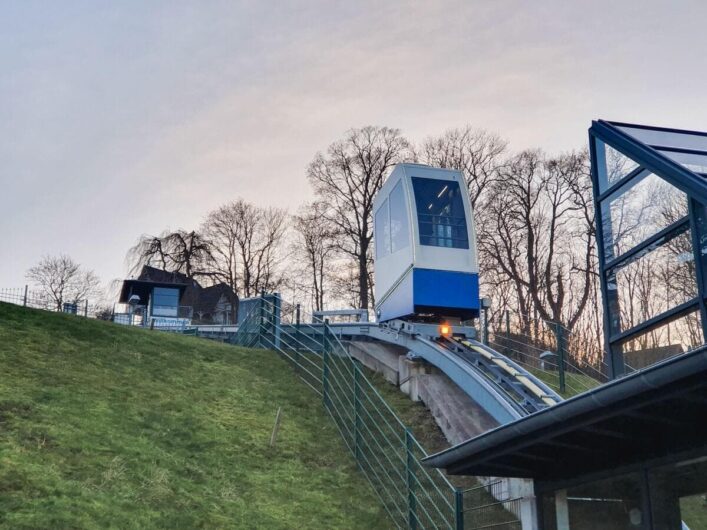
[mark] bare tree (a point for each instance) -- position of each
(246, 244)
(345, 284)
(478, 154)
(314, 243)
(62, 280)
(267, 252)
(221, 228)
(540, 234)
(346, 179)
(179, 251)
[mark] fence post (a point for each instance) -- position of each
(261, 320)
(412, 508)
(24, 299)
(85, 309)
(508, 330)
(325, 366)
(277, 311)
(458, 509)
(356, 404)
(560, 337)
(297, 335)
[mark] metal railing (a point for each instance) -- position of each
(26, 297)
(482, 509)
(385, 449)
(138, 316)
(547, 349)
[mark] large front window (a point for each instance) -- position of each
(440, 213)
(165, 302)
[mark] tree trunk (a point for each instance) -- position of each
(363, 276)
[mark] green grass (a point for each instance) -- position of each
(693, 511)
(423, 425)
(103, 426)
(574, 383)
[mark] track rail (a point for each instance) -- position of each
(499, 385)
(522, 387)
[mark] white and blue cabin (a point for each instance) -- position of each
(426, 263)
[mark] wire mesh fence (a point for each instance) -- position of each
(482, 509)
(137, 316)
(37, 299)
(385, 450)
(563, 359)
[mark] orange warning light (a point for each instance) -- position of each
(445, 330)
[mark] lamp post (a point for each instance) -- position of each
(485, 306)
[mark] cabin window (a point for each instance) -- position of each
(165, 302)
(440, 213)
(399, 225)
(382, 234)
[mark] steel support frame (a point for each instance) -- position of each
(692, 185)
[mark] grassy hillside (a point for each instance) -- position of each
(107, 427)
(574, 383)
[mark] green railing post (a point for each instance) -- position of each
(261, 320)
(458, 509)
(276, 313)
(560, 337)
(410, 461)
(325, 366)
(357, 415)
(297, 335)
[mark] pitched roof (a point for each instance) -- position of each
(201, 299)
(154, 274)
(210, 296)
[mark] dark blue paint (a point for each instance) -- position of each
(448, 289)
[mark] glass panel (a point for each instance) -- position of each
(399, 229)
(678, 139)
(440, 213)
(617, 166)
(647, 205)
(165, 301)
(165, 296)
(670, 339)
(382, 234)
(612, 504)
(679, 495)
(692, 161)
(656, 281)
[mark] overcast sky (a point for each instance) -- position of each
(123, 118)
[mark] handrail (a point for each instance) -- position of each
(387, 452)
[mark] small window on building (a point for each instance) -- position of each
(165, 302)
(382, 234)
(399, 225)
(440, 213)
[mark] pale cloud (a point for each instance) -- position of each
(135, 117)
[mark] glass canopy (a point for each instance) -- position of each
(650, 192)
